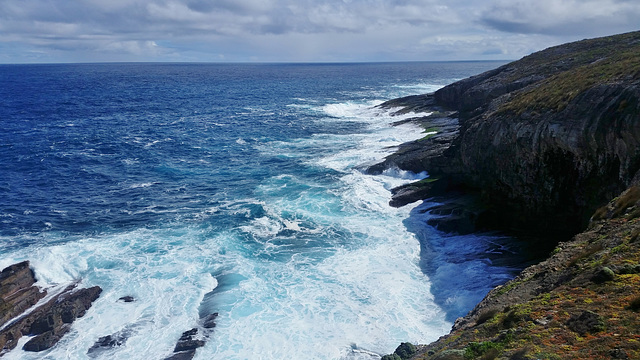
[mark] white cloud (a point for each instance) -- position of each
(302, 30)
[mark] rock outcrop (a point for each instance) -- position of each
(543, 143)
(17, 292)
(46, 322)
(193, 339)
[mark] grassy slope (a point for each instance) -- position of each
(617, 58)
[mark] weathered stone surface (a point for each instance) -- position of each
(52, 320)
(545, 142)
(17, 292)
(49, 321)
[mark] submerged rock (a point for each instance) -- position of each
(108, 342)
(208, 322)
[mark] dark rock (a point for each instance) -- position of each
(17, 292)
(412, 103)
(544, 158)
(618, 354)
(208, 322)
(127, 299)
(412, 192)
(427, 153)
(42, 325)
(629, 269)
(191, 344)
(108, 342)
(185, 355)
(46, 340)
(52, 320)
(603, 275)
(587, 322)
(188, 342)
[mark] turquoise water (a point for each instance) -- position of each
(230, 188)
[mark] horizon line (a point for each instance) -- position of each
(254, 62)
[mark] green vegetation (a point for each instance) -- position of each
(485, 350)
(600, 61)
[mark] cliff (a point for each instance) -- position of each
(543, 144)
(549, 138)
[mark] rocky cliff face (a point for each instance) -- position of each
(544, 140)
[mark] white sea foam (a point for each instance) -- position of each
(278, 292)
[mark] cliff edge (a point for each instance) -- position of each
(544, 141)
(550, 145)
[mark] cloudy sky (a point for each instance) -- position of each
(300, 30)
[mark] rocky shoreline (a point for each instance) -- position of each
(22, 312)
(27, 310)
(547, 147)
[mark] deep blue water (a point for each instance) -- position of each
(229, 188)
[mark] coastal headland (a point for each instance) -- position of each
(547, 148)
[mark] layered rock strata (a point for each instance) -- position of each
(21, 313)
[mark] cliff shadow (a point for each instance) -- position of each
(463, 266)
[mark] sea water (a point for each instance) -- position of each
(232, 189)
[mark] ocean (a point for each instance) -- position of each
(232, 189)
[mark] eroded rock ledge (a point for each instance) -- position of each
(22, 314)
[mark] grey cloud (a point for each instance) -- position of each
(303, 29)
(563, 17)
